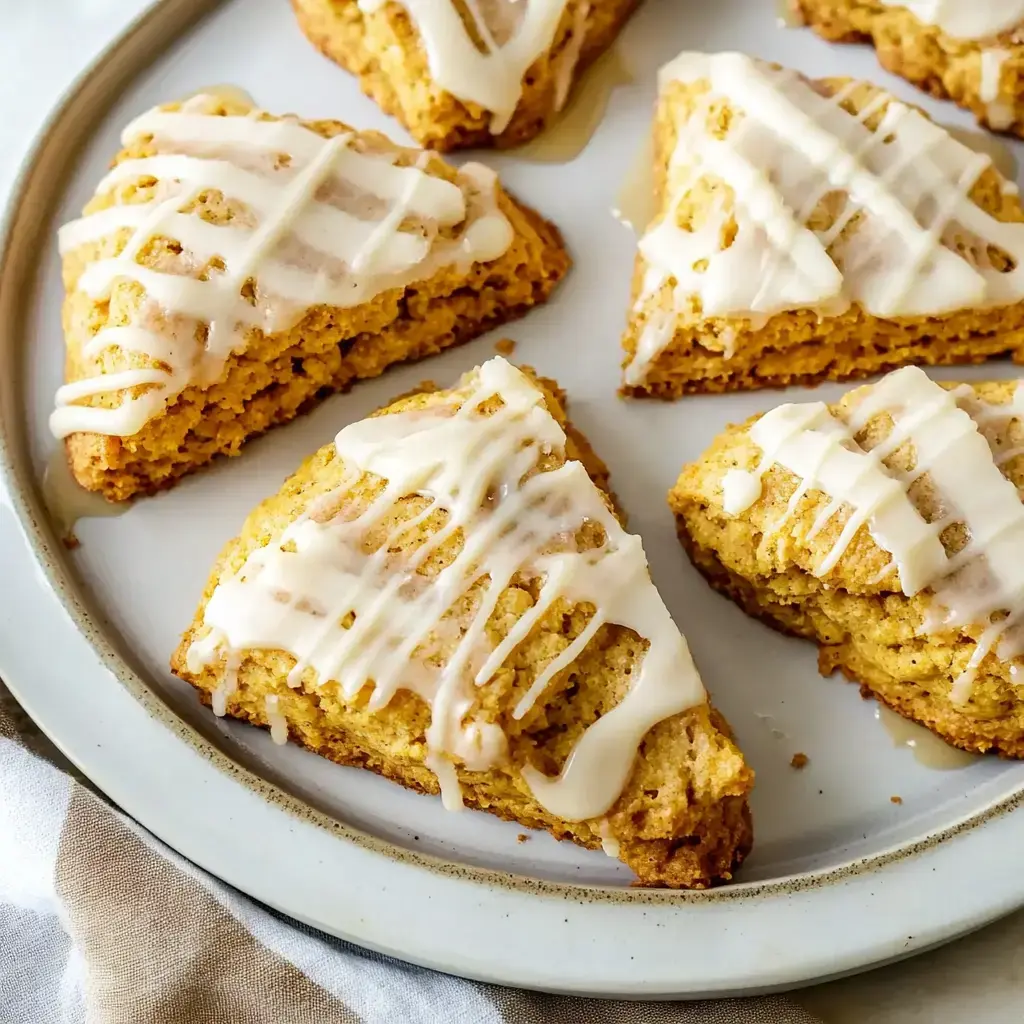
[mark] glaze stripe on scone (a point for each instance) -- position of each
(814, 230)
(490, 72)
(445, 595)
(234, 267)
(889, 528)
(970, 51)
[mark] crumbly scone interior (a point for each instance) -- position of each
(800, 280)
(668, 794)
(941, 647)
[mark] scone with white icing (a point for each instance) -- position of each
(814, 230)
(456, 74)
(235, 267)
(969, 51)
(445, 595)
(889, 529)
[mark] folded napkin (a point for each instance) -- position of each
(100, 923)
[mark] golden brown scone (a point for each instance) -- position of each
(986, 76)
(682, 819)
(384, 50)
(274, 376)
(768, 560)
(836, 340)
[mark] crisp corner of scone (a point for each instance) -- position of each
(460, 76)
(813, 230)
(235, 267)
(445, 595)
(889, 529)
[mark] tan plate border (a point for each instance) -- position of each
(27, 218)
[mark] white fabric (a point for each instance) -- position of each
(31, 818)
(40, 978)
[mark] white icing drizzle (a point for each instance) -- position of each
(492, 79)
(324, 224)
(982, 584)
(904, 238)
(275, 717)
(565, 68)
(992, 61)
(999, 113)
(966, 19)
(609, 843)
(227, 687)
(515, 524)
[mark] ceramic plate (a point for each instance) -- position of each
(841, 877)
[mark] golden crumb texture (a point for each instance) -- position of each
(857, 614)
(942, 65)
(384, 51)
(682, 820)
(803, 346)
(275, 377)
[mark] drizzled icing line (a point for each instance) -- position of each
(828, 212)
(407, 633)
(326, 221)
(999, 114)
(514, 35)
(979, 585)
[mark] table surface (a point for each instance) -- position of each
(42, 48)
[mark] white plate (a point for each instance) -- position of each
(840, 878)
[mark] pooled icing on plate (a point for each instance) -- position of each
(513, 34)
(821, 211)
(367, 616)
(315, 221)
(981, 583)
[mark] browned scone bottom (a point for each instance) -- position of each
(383, 50)
(799, 348)
(862, 627)
(941, 65)
(275, 377)
(682, 819)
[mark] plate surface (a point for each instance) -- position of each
(841, 877)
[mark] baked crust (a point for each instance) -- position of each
(682, 819)
(278, 376)
(804, 346)
(941, 65)
(863, 624)
(383, 51)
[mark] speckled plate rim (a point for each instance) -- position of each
(604, 941)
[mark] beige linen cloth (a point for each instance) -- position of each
(100, 923)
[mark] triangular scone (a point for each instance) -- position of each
(888, 528)
(969, 51)
(460, 74)
(810, 231)
(469, 617)
(235, 267)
